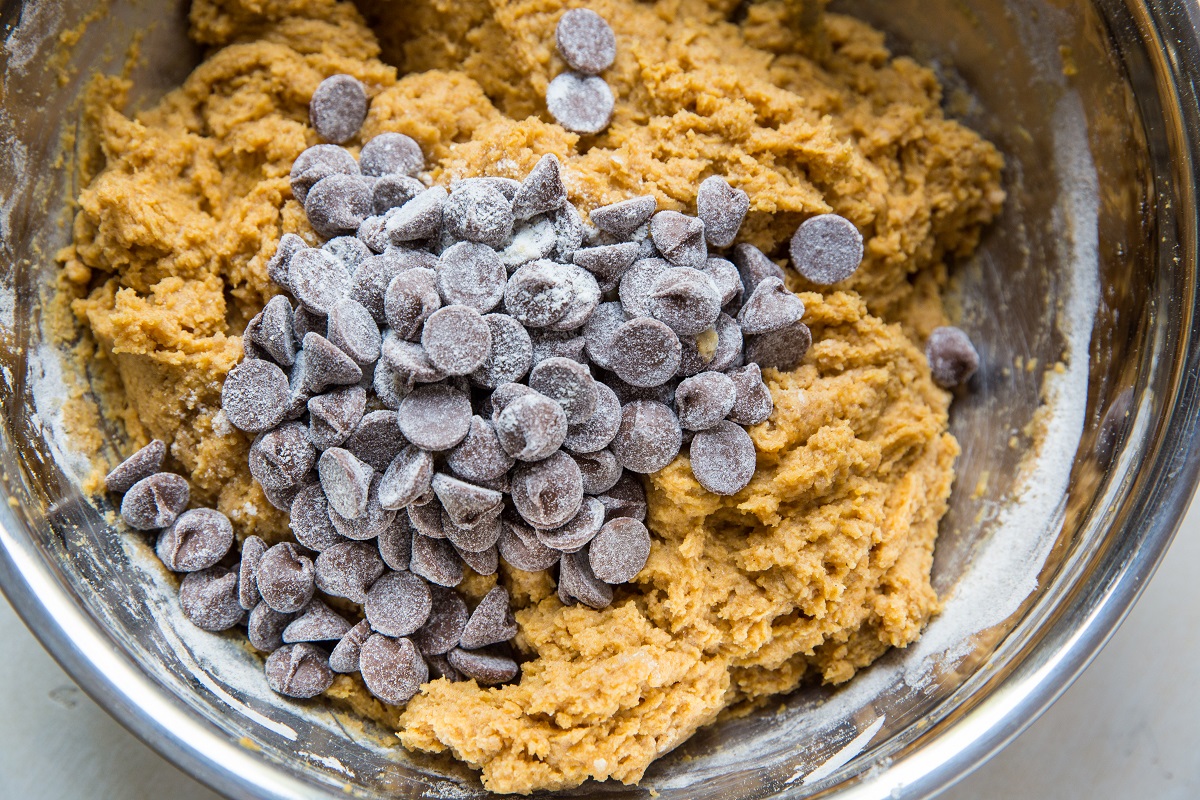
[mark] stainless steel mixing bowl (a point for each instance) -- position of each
(1092, 269)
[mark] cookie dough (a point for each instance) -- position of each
(816, 568)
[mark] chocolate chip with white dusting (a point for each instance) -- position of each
(548, 493)
(636, 285)
(723, 458)
(725, 278)
(491, 622)
(448, 618)
(348, 570)
(353, 330)
(406, 479)
(369, 285)
(309, 519)
(952, 357)
(608, 262)
(155, 501)
(326, 365)
(619, 551)
(350, 250)
(525, 553)
(376, 439)
(276, 331)
(253, 549)
(598, 331)
(573, 535)
(538, 294)
(435, 417)
(685, 300)
(558, 344)
(580, 103)
(346, 481)
(391, 191)
(409, 364)
(197, 540)
(480, 456)
(435, 561)
(332, 417)
(626, 499)
(467, 504)
(597, 431)
(478, 212)
(645, 352)
(142, 464)
(485, 562)
(337, 205)
(585, 296)
(827, 249)
(254, 396)
(314, 165)
(318, 623)
(649, 437)
(626, 216)
(600, 470)
(470, 542)
(392, 669)
(395, 543)
(471, 274)
(717, 349)
(265, 627)
(338, 107)
(531, 427)
(782, 349)
(410, 298)
(722, 209)
(752, 399)
(679, 238)
(398, 604)
(344, 658)
(542, 191)
(754, 266)
(299, 670)
(703, 400)
(391, 154)
(568, 383)
(457, 339)
(576, 581)
(585, 41)
(770, 307)
(511, 354)
(209, 599)
(485, 668)
(419, 218)
(285, 578)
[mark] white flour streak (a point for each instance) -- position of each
(841, 757)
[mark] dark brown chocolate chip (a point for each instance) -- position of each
(209, 599)
(338, 107)
(491, 622)
(419, 218)
(558, 344)
(318, 623)
(265, 627)
(348, 570)
(568, 383)
(285, 578)
(783, 349)
(485, 562)
(197, 540)
(254, 396)
(704, 400)
(952, 357)
(511, 354)
(598, 331)
(448, 618)
(276, 331)
(723, 458)
(480, 456)
(770, 307)
(608, 262)
(344, 657)
(637, 283)
(352, 329)
(754, 266)
(578, 531)
(531, 427)
(299, 670)
(346, 481)
(336, 206)
(626, 499)
(577, 581)
(457, 339)
(716, 350)
(350, 250)
(585, 41)
(645, 352)
(624, 217)
(398, 604)
(649, 437)
(485, 668)
(395, 543)
(580, 103)
(600, 470)
(391, 154)
(408, 362)
(411, 297)
(548, 493)
(376, 439)
(752, 402)
(597, 431)
(466, 504)
(538, 294)
(435, 417)
(542, 190)
(392, 669)
(316, 164)
(525, 553)
(155, 501)
(679, 238)
(280, 459)
(326, 365)
(435, 561)
(827, 249)
(253, 549)
(332, 417)
(619, 551)
(391, 191)
(722, 209)
(309, 520)
(480, 213)
(142, 464)
(407, 478)
(685, 299)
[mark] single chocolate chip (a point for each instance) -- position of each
(471, 274)
(577, 581)
(557, 344)
(254, 396)
(289, 245)
(197, 540)
(326, 365)
(548, 493)
(337, 205)
(427, 518)
(392, 669)
(782, 349)
(504, 394)
(485, 562)
(569, 231)
(398, 604)
(373, 230)
(448, 618)
(155, 501)
(457, 339)
(376, 439)
(713, 350)
(391, 154)
(309, 520)
(275, 332)
(299, 670)
(649, 437)
(531, 240)
(538, 294)
(285, 578)
(350, 250)
(600, 470)
(723, 458)
(338, 107)
(280, 460)
(511, 354)
(531, 427)
(585, 296)
(314, 165)
(478, 213)
(411, 297)
(597, 333)
(253, 549)
(352, 329)
(578, 531)
(435, 417)
(722, 209)
(770, 307)
(542, 191)
(608, 262)
(485, 668)
(395, 543)
(265, 627)
(626, 499)
(345, 655)
(580, 103)
(637, 283)
(490, 623)
(305, 321)
(407, 478)
(952, 357)
(318, 623)
(704, 400)
(467, 505)
(526, 554)
(679, 238)
(624, 217)
(346, 481)
(390, 386)
(585, 41)
(827, 249)
(408, 362)
(480, 455)
(419, 218)
(435, 561)
(725, 278)
(142, 464)
(474, 540)
(334, 416)
(619, 551)
(685, 300)
(209, 599)
(597, 431)
(645, 352)
(754, 266)
(369, 285)
(752, 399)
(568, 383)
(389, 192)
(368, 525)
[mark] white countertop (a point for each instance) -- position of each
(1130, 727)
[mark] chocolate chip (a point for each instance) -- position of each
(448, 618)
(280, 459)
(568, 383)
(376, 439)
(717, 349)
(276, 331)
(752, 399)
(577, 531)
(585, 296)
(345, 655)
(538, 294)
(408, 362)
(285, 578)
(753, 266)
(305, 321)
(346, 481)
(350, 250)
(511, 354)
(395, 543)
(265, 627)
(485, 668)
(477, 212)
(504, 394)
(480, 455)
(370, 284)
(326, 365)
(435, 561)
(608, 262)
(253, 549)
(649, 437)
(390, 386)
(457, 339)
(318, 623)
(485, 562)
(626, 499)
(600, 470)
(627, 393)
(952, 357)
(391, 154)
(392, 669)
(389, 192)
(542, 191)
(722, 209)
(531, 240)
(309, 520)
(352, 329)
(209, 599)
(197, 540)
(476, 539)
(723, 458)
(347, 570)
(597, 431)
(679, 238)
(531, 427)
(645, 352)
(597, 333)
(585, 41)
(580, 103)
(398, 604)
(419, 218)
(337, 205)
(624, 217)
(526, 554)
(338, 107)
(142, 464)
(548, 493)
(467, 505)
(254, 396)
(724, 276)
(334, 416)
(299, 670)
(685, 300)
(506, 186)
(471, 274)
(411, 297)
(637, 283)
(407, 478)
(783, 349)
(373, 230)
(368, 525)
(577, 581)
(619, 551)
(435, 417)
(704, 400)
(770, 307)
(155, 501)
(827, 249)
(557, 344)
(314, 165)
(490, 623)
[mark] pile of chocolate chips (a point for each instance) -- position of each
(579, 99)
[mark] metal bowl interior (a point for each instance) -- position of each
(1081, 294)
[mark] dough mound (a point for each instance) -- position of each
(815, 569)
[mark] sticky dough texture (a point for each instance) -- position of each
(817, 567)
